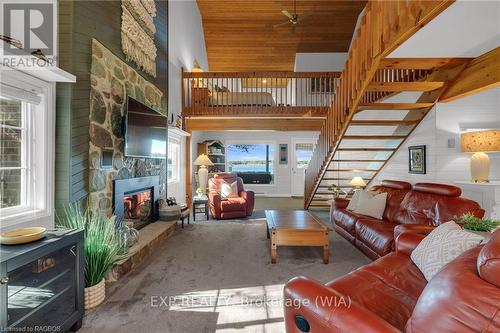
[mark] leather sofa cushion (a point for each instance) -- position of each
(488, 262)
(457, 300)
(345, 219)
(375, 234)
(393, 203)
(233, 205)
(373, 288)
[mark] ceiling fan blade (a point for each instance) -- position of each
(281, 24)
(304, 16)
(287, 14)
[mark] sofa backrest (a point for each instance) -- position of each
(396, 191)
(216, 181)
(433, 204)
(464, 296)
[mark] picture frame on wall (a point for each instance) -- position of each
(417, 159)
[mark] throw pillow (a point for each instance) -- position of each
(229, 190)
(441, 246)
(371, 205)
(354, 200)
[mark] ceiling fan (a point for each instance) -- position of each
(294, 18)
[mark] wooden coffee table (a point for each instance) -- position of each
(296, 228)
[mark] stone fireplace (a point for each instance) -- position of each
(135, 200)
(112, 80)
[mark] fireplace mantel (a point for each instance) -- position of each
(123, 187)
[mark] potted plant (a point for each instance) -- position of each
(482, 226)
(102, 247)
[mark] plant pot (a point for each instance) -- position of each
(95, 295)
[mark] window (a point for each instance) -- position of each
(303, 154)
(254, 163)
(14, 173)
(26, 149)
(173, 160)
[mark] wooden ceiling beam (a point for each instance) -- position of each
(421, 63)
(480, 74)
(254, 124)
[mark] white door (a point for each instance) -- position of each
(302, 150)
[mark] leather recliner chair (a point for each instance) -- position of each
(229, 208)
(421, 209)
(391, 295)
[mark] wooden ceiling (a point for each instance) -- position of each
(239, 34)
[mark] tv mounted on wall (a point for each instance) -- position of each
(145, 131)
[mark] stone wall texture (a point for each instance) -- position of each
(112, 80)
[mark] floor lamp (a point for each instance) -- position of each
(203, 161)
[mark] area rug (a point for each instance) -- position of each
(215, 276)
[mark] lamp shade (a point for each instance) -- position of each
(203, 160)
(480, 141)
(196, 67)
(358, 182)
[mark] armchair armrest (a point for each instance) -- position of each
(327, 310)
(340, 203)
(407, 242)
(249, 197)
(215, 200)
(422, 229)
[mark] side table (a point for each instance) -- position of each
(200, 205)
(185, 214)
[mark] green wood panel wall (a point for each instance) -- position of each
(79, 22)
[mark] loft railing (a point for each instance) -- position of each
(384, 26)
(257, 93)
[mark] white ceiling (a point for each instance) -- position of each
(465, 29)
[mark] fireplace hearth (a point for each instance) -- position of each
(135, 200)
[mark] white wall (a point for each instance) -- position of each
(446, 121)
(186, 43)
(320, 62)
(465, 29)
(283, 173)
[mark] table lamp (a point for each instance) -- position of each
(358, 182)
(480, 142)
(203, 161)
(197, 83)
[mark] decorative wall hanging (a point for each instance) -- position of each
(137, 34)
(416, 159)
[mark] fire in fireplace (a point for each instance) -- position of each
(137, 208)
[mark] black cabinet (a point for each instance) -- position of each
(42, 283)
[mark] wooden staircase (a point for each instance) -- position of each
(378, 102)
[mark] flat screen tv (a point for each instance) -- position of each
(145, 131)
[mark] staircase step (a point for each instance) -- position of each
(374, 137)
(366, 149)
(404, 86)
(394, 106)
(327, 178)
(382, 122)
(351, 170)
(369, 161)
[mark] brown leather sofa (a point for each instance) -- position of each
(420, 208)
(229, 208)
(391, 295)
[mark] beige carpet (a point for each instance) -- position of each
(216, 276)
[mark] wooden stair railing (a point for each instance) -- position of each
(384, 26)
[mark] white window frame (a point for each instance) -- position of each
(176, 160)
(39, 154)
(257, 142)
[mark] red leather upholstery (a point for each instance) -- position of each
(420, 209)
(392, 295)
(229, 208)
